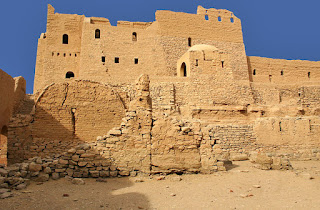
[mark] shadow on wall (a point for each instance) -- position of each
(66, 114)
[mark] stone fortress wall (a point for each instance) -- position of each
(199, 102)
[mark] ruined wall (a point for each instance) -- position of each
(6, 108)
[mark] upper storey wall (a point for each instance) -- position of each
(207, 24)
(268, 70)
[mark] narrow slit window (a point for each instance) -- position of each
(116, 60)
(231, 20)
(136, 61)
(219, 19)
(254, 72)
(206, 17)
(309, 75)
(65, 39)
(281, 72)
(280, 128)
(222, 64)
(97, 34)
(197, 62)
(270, 78)
(189, 42)
(103, 59)
(134, 36)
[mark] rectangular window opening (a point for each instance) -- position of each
(103, 59)
(136, 61)
(116, 60)
(197, 62)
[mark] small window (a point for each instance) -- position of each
(254, 72)
(309, 75)
(75, 55)
(64, 55)
(231, 20)
(281, 72)
(197, 62)
(58, 54)
(206, 17)
(69, 74)
(183, 70)
(136, 61)
(65, 39)
(270, 78)
(97, 34)
(222, 64)
(189, 42)
(219, 19)
(116, 60)
(103, 59)
(52, 53)
(70, 54)
(280, 128)
(134, 36)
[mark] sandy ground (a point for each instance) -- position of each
(234, 189)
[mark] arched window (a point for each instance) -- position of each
(134, 36)
(69, 74)
(183, 70)
(65, 39)
(189, 42)
(97, 34)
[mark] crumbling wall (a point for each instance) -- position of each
(6, 108)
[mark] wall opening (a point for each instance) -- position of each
(281, 72)
(231, 20)
(116, 60)
(103, 59)
(73, 120)
(69, 74)
(65, 39)
(136, 61)
(134, 36)
(219, 19)
(254, 72)
(309, 75)
(197, 62)
(280, 128)
(97, 34)
(183, 69)
(189, 42)
(270, 78)
(222, 64)
(206, 17)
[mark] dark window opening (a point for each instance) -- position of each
(134, 36)
(189, 42)
(206, 17)
(103, 59)
(183, 70)
(75, 55)
(231, 20)
(116, 60)
(219, 19)
(254, 72)
(97, 34)
(73, 119)
(136, 61)
(222, 64)
(64, 55)
(197, 62)
(58, 54)
(70, 54)
(281, 72)
(270, 78)
(280, 128)
(309, 75)
(65, 39)
(69, 74)
(52, 53)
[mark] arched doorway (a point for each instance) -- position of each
(183, 70)
(3, 145)
(69, 74)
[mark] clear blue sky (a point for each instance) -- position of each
(286, 29)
